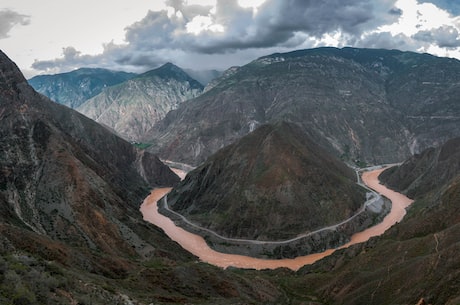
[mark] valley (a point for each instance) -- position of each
(273, 145)
(198, 246)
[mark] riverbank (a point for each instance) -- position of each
(198, 246)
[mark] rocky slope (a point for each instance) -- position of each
(70, 227)
(426, 171)
(364, 105)
(74, 88)
(273, 184)
(416, 259)
(133, 107)
(66, 177)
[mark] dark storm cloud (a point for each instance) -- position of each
(8, 19)
(445, 37)
(278, 24)
(278, 21)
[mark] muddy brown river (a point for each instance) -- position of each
(196, 245)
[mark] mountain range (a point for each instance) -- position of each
(75, 87)
(70, 227)
(364, 105)
(133, 107)
(71, 231)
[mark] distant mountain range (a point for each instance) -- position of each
(75, 87)
(364, 105)
(134, 106)
(127, 103)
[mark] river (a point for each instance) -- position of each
(196, 245)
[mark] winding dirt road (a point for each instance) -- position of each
(196, 245)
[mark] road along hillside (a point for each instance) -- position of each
(196, 245)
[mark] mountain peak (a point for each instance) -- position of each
(171, 71)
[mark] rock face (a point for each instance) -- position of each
(133, 107)
(363, 105)
(273, 184)
(66, 177)
(74, 88)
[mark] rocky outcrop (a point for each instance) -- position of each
(74, 88)
(133, 107)
(364, 105)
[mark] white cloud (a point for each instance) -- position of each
(203, 23)
(418, 17)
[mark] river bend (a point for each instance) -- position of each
(196, 245)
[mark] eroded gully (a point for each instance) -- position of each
(196, 245)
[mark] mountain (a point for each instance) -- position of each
(70, 227)
(71, 232)
(75, 87)
(414, 262)
(364, 105)
(66, 177)
(274, 184)
(133, 107)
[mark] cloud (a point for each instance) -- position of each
(9, 19)
(71, 59)
(205, 36)
(387, 40)
(444, 37)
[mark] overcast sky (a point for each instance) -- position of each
(53, 36)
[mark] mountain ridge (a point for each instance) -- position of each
(133, 107)
(75, 87)
(348, 106)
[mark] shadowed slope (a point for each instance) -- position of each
(273, 184)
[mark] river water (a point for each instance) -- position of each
(196, 245)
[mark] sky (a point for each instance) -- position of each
(55, 36)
